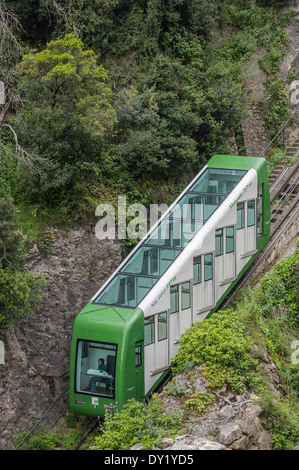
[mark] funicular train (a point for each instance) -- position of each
(179, 273)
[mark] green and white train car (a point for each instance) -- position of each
(179, 273)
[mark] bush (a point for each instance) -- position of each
(40, 440)
(220, 345)
(20, 295)
(137, 422)
(283, 421)
(280, 288)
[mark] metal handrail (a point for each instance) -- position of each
(42, 418)
(282, 129)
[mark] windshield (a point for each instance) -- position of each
(95, 368)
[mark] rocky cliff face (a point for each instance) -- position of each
(232, 422)
(37, 350)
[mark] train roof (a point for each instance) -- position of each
(237, 162)
(134, 279)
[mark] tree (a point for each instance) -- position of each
(21, 293)
(68, 109)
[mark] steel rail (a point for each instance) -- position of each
(281, 130)
(285, 197)
(42, 418)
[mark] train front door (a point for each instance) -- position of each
(162, 340)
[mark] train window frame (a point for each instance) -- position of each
(152, 336)
(197, 270)
(177, 298)
(185, 294)
(219, 242)
(228, 237)
(129, 284)
(138, 355)
(86, 346)
(209, 277)
(164, 321)
(240, 215)
(259, 210)
(251, 222)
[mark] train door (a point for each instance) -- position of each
(149, 351)
(203, 283)
(162, 340)
(156, 354)
(225, 259)
(251, 226)
(240, 233)
(208, 281)
(185, 315)
(139, 384)
(230, 255)
(174, 322)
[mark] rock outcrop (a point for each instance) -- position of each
(233, 422)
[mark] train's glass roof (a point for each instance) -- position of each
(164, 244)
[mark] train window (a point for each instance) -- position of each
(180, 225)
(197, 270)
(174, 299)
(149, 330)
(250, 213)
(150, 261)
(240, 215)
(185, 289)
(126, 290)
(95, 368)
(138, 355)
(162, 326)
(230, 239)
(218, 180)
(219, 242)
(208, 267)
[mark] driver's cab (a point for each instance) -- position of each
(90, 377)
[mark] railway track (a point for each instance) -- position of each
(90, 426)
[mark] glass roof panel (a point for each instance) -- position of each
(174, 233)
(217, 181)
(126, 290)
(150, 261)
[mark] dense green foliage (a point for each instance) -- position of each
(279, 289)
(40, 440)
(270, 314)
(131, 97)
(137, 422)
(68, 114)
(21, 293)
(220, 344)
